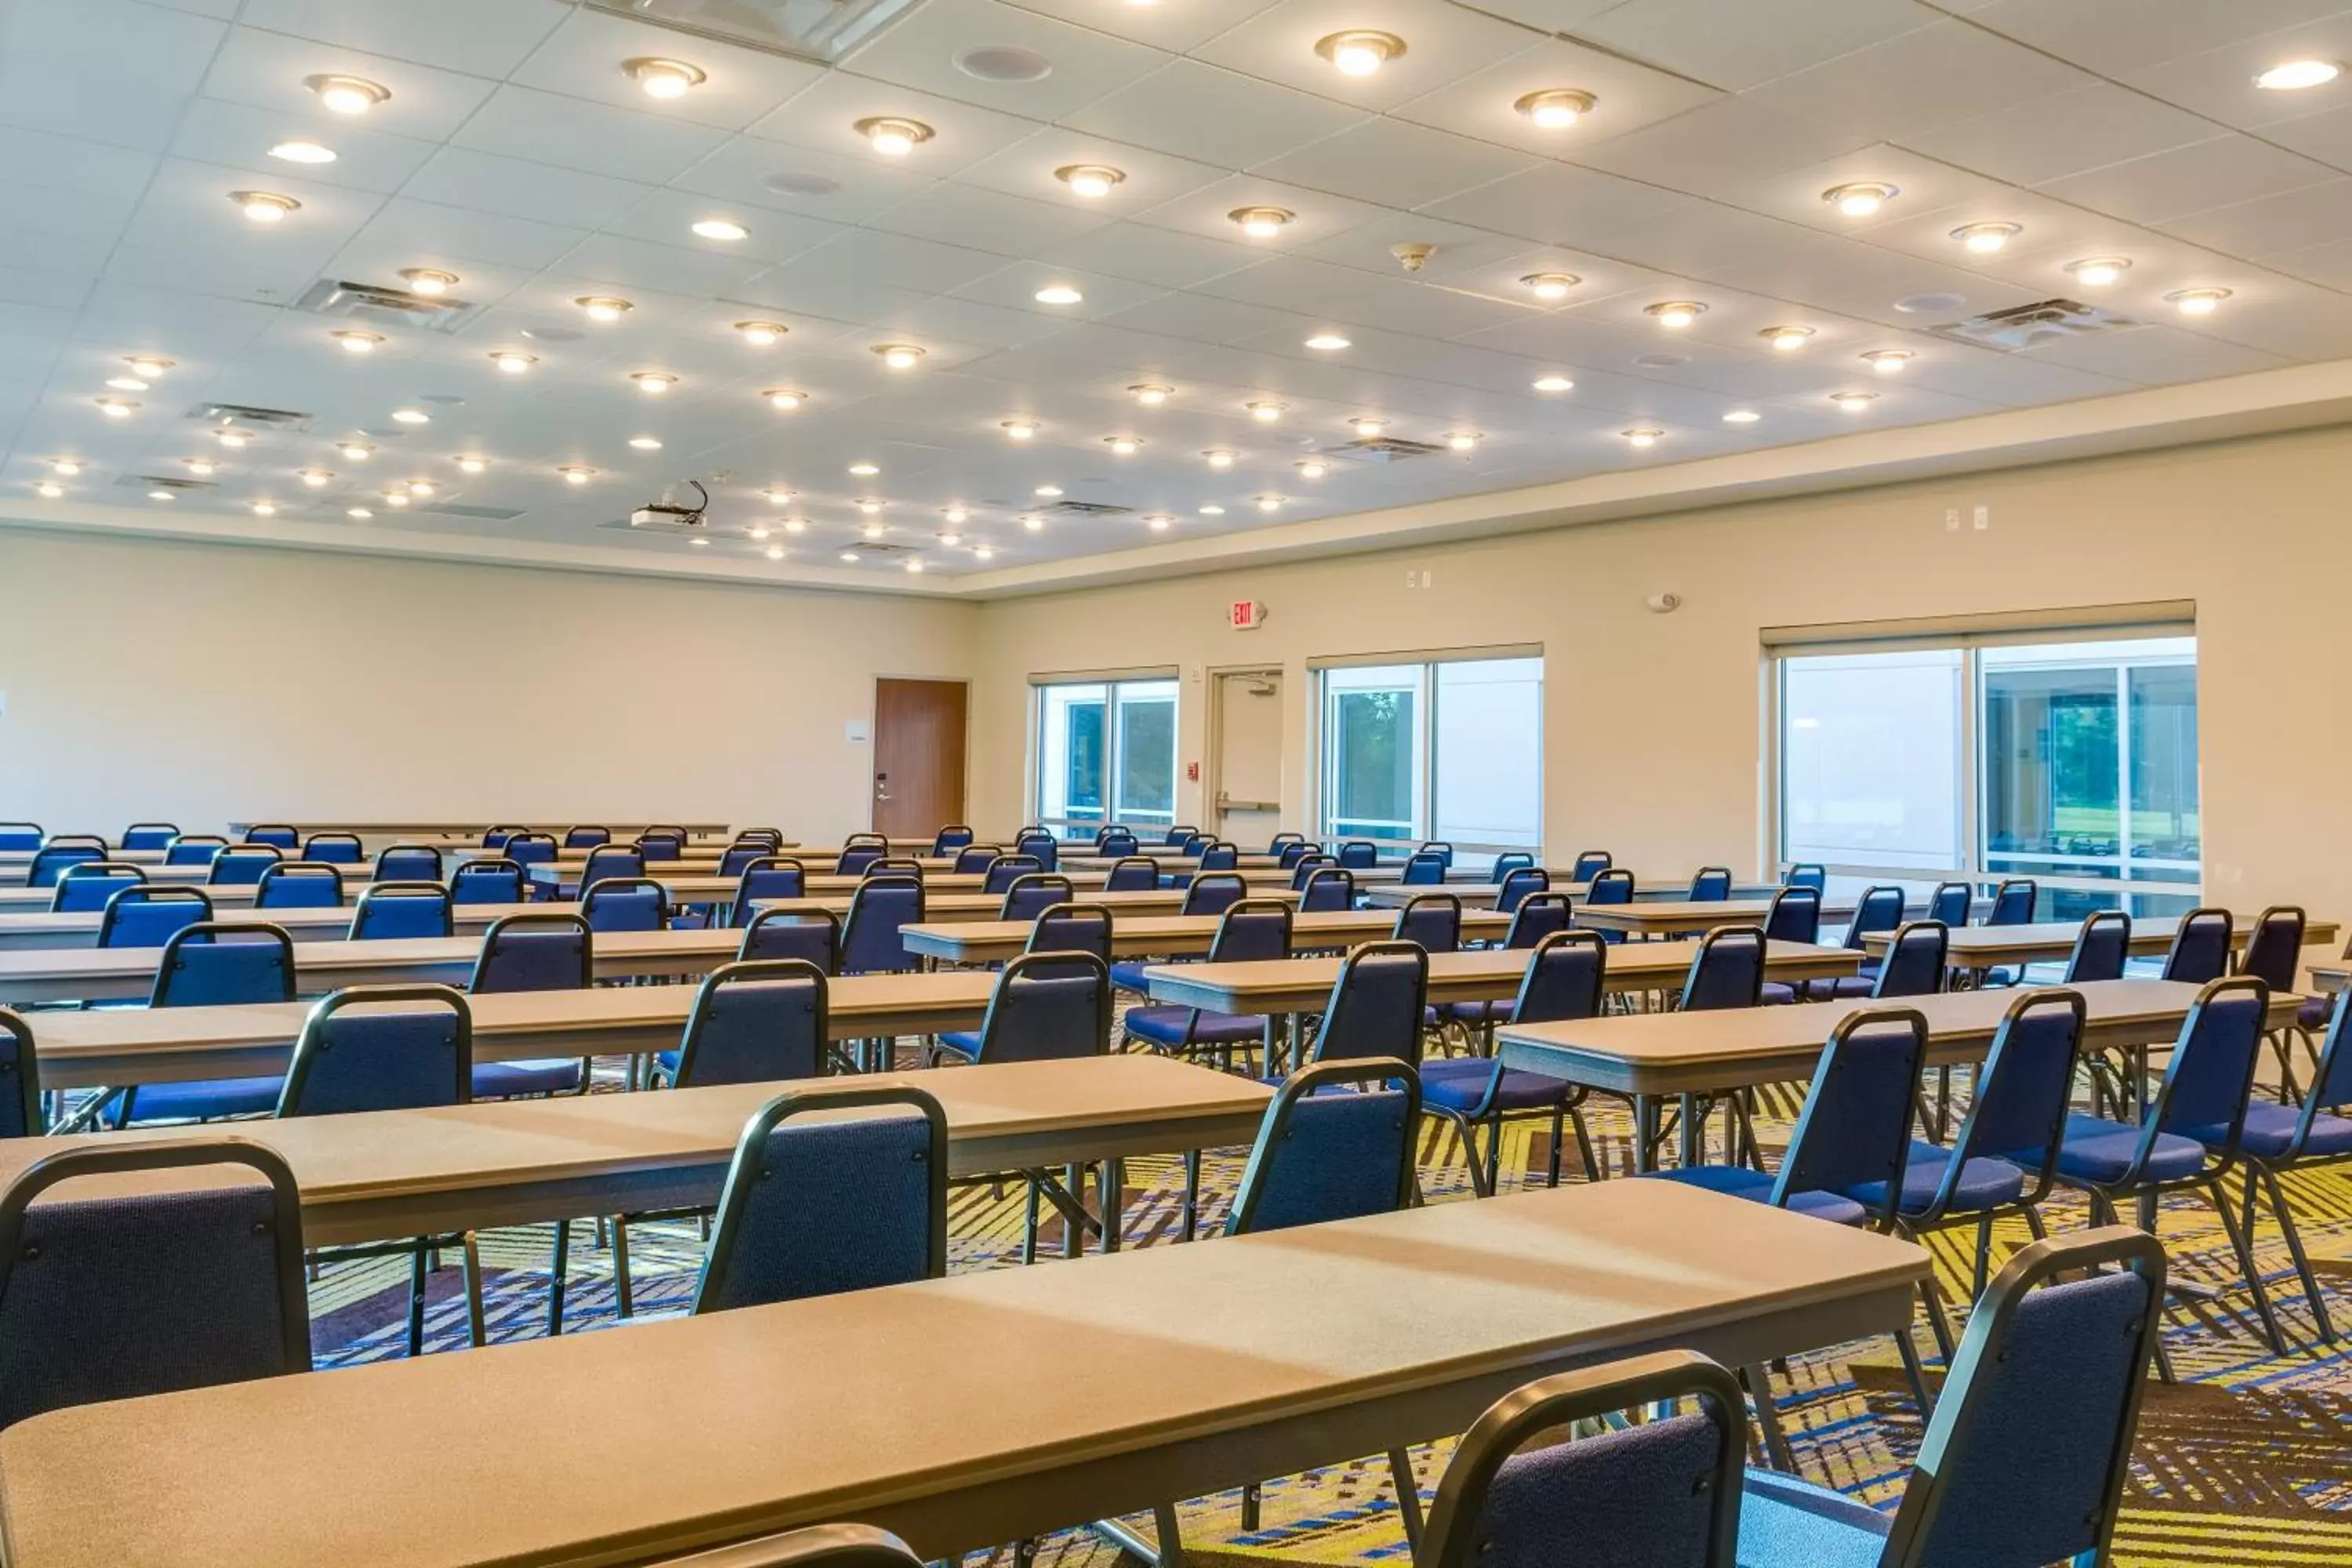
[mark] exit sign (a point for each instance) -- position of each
(1248, 614)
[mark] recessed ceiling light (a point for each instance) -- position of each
(1888, 361)
(915, 566)
(758, 531)
(893, 137)
(795, 525)
(64, 467)
(428, 280)
(1742, 416)
(871, 529)
(411, 417)
(760, 334)
(664, 78)
(776, 495)
(1367, 426)
(1219, 458)
(357, 451)
(1556, 109)
(358, 513)
(849, 555)
(576, 473)
(983, 553)
(899, 356)
(1261, 223)
(1327, 343)
(1269, 503)
(235, 440)
(147, 365)
(472, 463)
(1018, 429)
(950, 538)
(315, 478)
(1265, 412)
(864, 470)
(357, 342)
(264, 508)
(395, 499)
(1158, 520)
(1090, 180)
(603, 306)
(1861, 199)
(785, 399)
(126, 384)
(513, 361)
(1048, 491)
(1644, 437)
(1058, 294)
(202, 467)
(653, 382)
(1123, 446)
(420, 489)
(161, 494)
(1787, 340)
(347, 94)
(2098, 271)
(48, 490)
(2293, 76)
(719, 228)
(1550, 285)
(869, 506)
(1675, 313)
(955, 513)
(1853, 402)
(646, 442)
(1553, 384)
(1033, 522)
(1211, 509)
(117, 407)
(2197, 301)
(1151, 395)
(1311, 467)
(775, 552)
(264, 206)
(700, 543)
(1360, 53)
(302, 152)
(1462, 441)
(1984, 238)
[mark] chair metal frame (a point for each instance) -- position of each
(388, 893)
(295, 871)
(20, 1058)
(152, 893)
(795, 917)
(117, 871)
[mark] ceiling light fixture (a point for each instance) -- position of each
(147, 365)
(871, 530)
(358, 513)
(776, 495)
(1742, 416)
(302, 152)
(235, 440)
(1360, 53)
(795, 525)
(1556, 109)
(1219, 458)
(955, 514)
(161, 494)
(1261, 223)
(315, 478)
(1888, 361)
(1368, 425)
(2293, 76)
(1058, 294)
(664, 78)
(357, 451)
(2197, 301)
(1462, 441)
(1158, 520)
(603, 306)
(421, 489)
(850, 556)
(1853, 402)
(1269, 503)
(430, 281)
(357, 342)
(126, 384)
(264, 206)
(1787, 340)
(1033, 523)
(1644, 437)
(1551, 284)
(48, 490)
(1311, 467)
(869, 506)
(1862, 198)
(1327, 343)
(64, 467)
(1018, 429)
(719, 228)
(2098, 271)
(117, 407)
(1211, 509)
(775, 552)
(1984, 238)
(1092, 181)
(576, 473)
(1151, 395)
(1675, 314)
(864, 470)
(1264, 412)
(395, 499)
(760, 334)
(472, 463)
(1553, 384)
(202, 467)
(893, 137)
(899, 356)
(264, 508)
(646, 442)
(982, 553)
(653, 382)
(347, 94)
(1049, 491)
(411, 417)
(758, 531)
(1122, 445)
(784, 399)
(513, 361)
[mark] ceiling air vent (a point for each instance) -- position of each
(164, 482)
(820, 30)
(244, 414)
(381, 307)
(1383, 450)
(2030, 326)
(876, 550)
(664, 525)
(1080, 508)
(478, 513)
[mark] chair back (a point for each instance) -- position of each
(495, 881)
(193, 850)
(1327, 888)
(856, 858)
(1047, 1006)
(754, 1022)
(1952, 902)
(52, 861)
(1006, 869)
(1514, 860)
(2201, 947)
(1032, 895)
(2012, 902)
(1288, 854)
(950, 839)
(414, 1059)
(1807, 874)
(611, 860)
(1432, 920)
(815, 1205)
(1214, 892)
(1439, 847)
(664, 845)
(394, 912)
(242, 864)
(297, 885)
(2210, 1077)
(586, 837)
(2331, 1079)
(625, 903)
(973, 859)
(1795, 915)
(408, 863)
(1132, 874)
(205, 964)
(1337, 1142)
(1072, 927)
(21, 836)
(769, 877)
(1359, 854)
(2019, 1111)
(1422, 869)
(1195, 842)
(1517, 884)
(1590, 865)
(737, 858)
(1710, 885)
(1537, 916)
(87, 885)
(531, 849)
(1609, 885)
(2274, 947)
(1221, 856)
(149, 1292)
(2101, 947)
(500, 837)
(535, 953)
(20, 1078)
(1855, 1128)
(1118, 842)
(146, 915)
(1044, 846)
(334, 850)
(870, 942)
(1663, 1494)
(1564, 979)
(1251, 931)
(1915, 960)
(1302, 870)
(1727, 970)
(867, 841)
(147, 835)
(2025, 1457)
(1376, 1004)
(904, 865)
(1879, 909)
(813, 936)
(277, 834)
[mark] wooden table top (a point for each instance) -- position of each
(1982, 947)
(20, 899)
(689, 887)
(939, 906)
(960, 1412)
(157, 1044)
(1485, 893)
(31, 933)
(472, 829)
(379, 1175)
(1681, 917)
(993, 942)
(2328, 976)
(1484, 974)
(1677, 1053)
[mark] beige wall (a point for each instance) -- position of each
(1653, 723)
(201, 683)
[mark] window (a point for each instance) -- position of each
(1449, 750)
(2073, 762)
(1107, 752)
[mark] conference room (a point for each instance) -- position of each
(1292, 784)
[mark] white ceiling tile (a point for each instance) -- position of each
(1921, 184)
(1028, 168)
(924, 265)
(276, 274)
(633, 263)
(1558, 203)
(750, 172)
(1201, 319)
(68, 163)
(43, 289)
(268, 71)
(1442, 42)
(987, 220)
(2330, 266)
(668, 218)
(458, 34)
(1016, 287)
(2157, 355)
(824, 118)
(2066, 133)
(2163, 185)
(1320, 292)
(1627, 96)
(1372, 246)
(548, 127)
(1699, 238)
(587, 54)
(2283, 316)
(238, 136)
(1396, 165)
(2115, 36)
(1176, 27)
(2220, 83)
(828, 282)
(461, 177)
(2314, 214)
(1221, 117)
(1720, 149)
(1551, 16)
(1739, 45)
(923, 48)
(1150, 255)
(1208, 212)
(967, 322)
(188, 204)
(149, 59)
(476, 236)
(1919, 79)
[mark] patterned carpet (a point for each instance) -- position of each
(2247, 1461)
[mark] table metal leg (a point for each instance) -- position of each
(1645, 1133)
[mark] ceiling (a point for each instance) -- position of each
(516, 153)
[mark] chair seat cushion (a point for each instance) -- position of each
(1475, 1014)
(1778, 994)
(1984, 1183)
(2269, 1133)
(204, 1099)
(1785, 1522)
(2097, 1150)
(1128, 975)
(1467, 1093)
(2313, 1013)
(964, 1043)
(1739, 1182)
(499, 1081)
(1166, 1025)
(1844, 985)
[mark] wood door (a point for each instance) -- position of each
(919, 749)
(1247, 758)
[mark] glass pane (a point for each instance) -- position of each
(2164, 819)
(1071, 752)
(1870, 759)
(1489, 753)
(1146, 758)
(1372, 745)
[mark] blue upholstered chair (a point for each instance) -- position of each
(193, 850)
(973, 859)
(1951, 904)
(664, 844)
(815, 1205)
(394, 912)
(548, 951)
(296, 885)
(146, 915)
(148, 1291)
(1178, 835)
(898, 864)
(1221, 855)
(1359, 854)
(1196, 842)
(870, 942)
(1807, 874)
(625, 903)
(1033, 895)
(1058, 928)
(20, 1078)
(1537, 916)
(531, 849)
(1710, 885)
(1377, 1005)
(277, 834)
(1727, 971)
(1006, 869)
(1795, 916)
(1914, 961)
(2274, 954)
(1563, 981)
(2101, 947)
(2012, 902)
(772, 838)
(611, 860)
(241, 865)
(1590, 864)
(1880, 908)
(1432, 920)
(52, 861)
(1046, 1007)
(1423, 870)
(2201, 947)
(408, 863)
(146, 836)
(753, 1023)
(739, 857)
(586, 837)
(21, 836)
(1213, 892)
(1118, 842)
(950, 839)
(1132, 874)
(500, 837)
(1609, 885)
(769, 877)
(813, 936)
(334, 850)
(1326, 888)
(87, 885)
(495, 881)
(1251, 931)
(1517, 884)
(1044, 846)
(2279, 1137)
(1505, 864)
(207, 965)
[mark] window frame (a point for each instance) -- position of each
(1427, 688)
(1114, 748)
